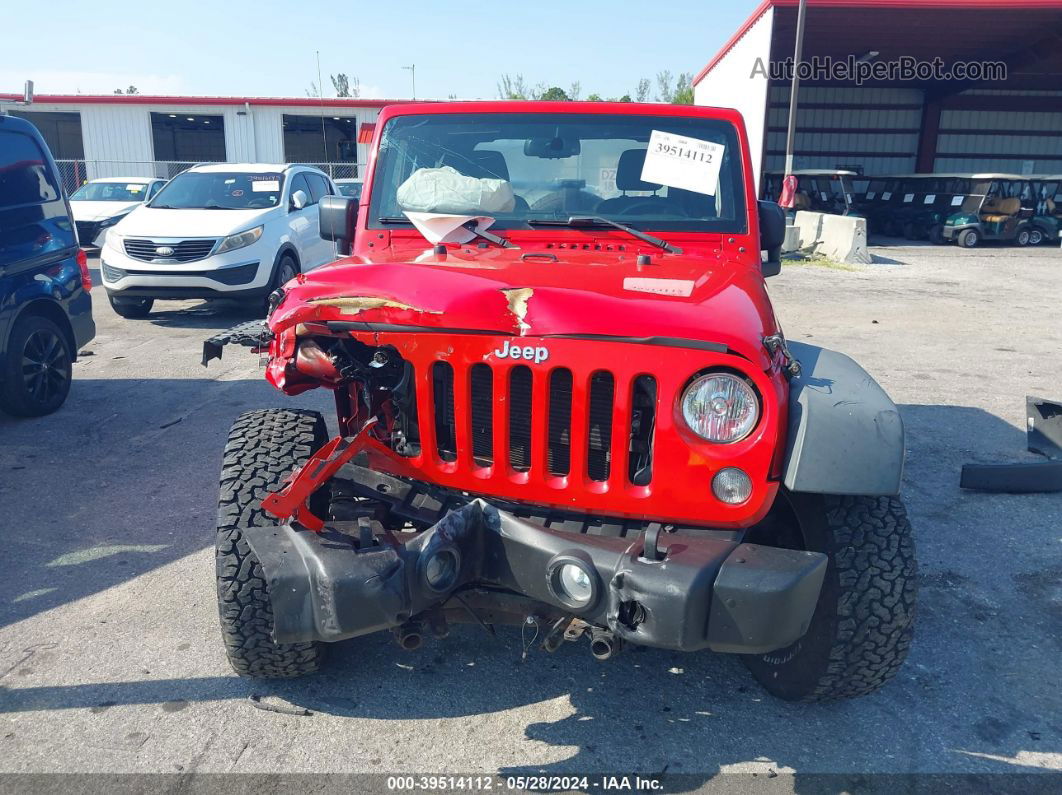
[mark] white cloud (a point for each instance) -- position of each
(78, 82)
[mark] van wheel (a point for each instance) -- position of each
(969, 238)
(132, 308)
(263, 448)
(1024, 238)
(1036, 236)
(38, 368)
(863, 623)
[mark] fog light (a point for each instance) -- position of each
(732, 486)
(573, 583)
(440, 570)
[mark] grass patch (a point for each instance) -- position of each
(817, 261)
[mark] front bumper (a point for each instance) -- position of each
(705, 592)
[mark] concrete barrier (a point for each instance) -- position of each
(840, 238)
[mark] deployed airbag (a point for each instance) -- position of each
(445, 190)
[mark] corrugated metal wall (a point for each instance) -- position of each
(875, 128)
(1028, 141)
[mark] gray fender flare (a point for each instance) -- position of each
(845, 434)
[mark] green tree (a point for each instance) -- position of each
(594, 98)
(346, 86)
(513, 87)
(641, 93)
(130, 90)
(664, 91)
(555, 94)
(683, 89)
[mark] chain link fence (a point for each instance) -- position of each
(75, 173)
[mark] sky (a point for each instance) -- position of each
(267, 48)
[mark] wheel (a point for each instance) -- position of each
(863, 623)
(38, 369)
(936, 234)
(1024, 237)
(263, 448)
(1036, 236)
(969, 238)
(287, 270)
(132, 308)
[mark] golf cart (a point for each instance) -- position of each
(876, 202)
(997, 207)
(923, 217)
(1046, 223)
(818, 190)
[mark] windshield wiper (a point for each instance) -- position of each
(470, 226)
(597, 220)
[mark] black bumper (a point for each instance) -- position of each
(705, 592)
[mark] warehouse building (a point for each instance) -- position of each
(135, 135)
(886, 124)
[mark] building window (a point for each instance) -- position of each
(188, 137)
(327, 140)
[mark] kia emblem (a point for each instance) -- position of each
(164, 251)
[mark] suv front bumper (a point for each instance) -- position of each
(683, 592)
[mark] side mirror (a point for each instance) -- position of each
(299, 199)
(337, 217)
(772, 235)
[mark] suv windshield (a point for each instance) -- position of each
(110, 192)
(647, 172)
(200, 190)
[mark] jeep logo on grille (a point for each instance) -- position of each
(164, 251)
(532, 354)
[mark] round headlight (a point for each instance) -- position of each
(572, 583)
(720, 407)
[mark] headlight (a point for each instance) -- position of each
(240, 240)
(106, 222)
(720, 407)
(113, 239)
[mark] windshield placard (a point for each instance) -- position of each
(682, 162)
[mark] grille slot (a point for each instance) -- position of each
(559, 447)
(643, 423)
(184, 251)
(482, 413)
(442, 379)
(520, 418)
(599, 441)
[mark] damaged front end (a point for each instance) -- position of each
(480, 563)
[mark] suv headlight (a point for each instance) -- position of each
(112, 238)
(720, 407)
(240, 240)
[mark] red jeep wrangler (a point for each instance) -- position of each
(563, 400)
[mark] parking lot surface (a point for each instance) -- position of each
(111, 660)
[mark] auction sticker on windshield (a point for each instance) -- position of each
(265, 186)
(681, 162)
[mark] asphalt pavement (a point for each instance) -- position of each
(111, 659)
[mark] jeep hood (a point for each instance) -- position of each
(689, 298)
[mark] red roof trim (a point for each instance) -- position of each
(147, 99)
(761, 9)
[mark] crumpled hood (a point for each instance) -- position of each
(692, 298)
(98, 211)
(151, 222)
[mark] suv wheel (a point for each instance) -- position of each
(287, 270)
(263, 448)
(132, 308)
(863, 623)
(969, 238)
(38, 368)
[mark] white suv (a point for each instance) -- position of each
(222, 230)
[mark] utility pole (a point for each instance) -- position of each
(413, 77)
(794, 88)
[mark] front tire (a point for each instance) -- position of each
(863, 623)
(969, 238)
(263, 448)
(1023, 238)
(131, 308)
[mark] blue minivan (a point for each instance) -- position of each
(45, 307)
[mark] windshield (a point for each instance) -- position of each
(199, 190)
(351, 189)
(111, 192)
(648, 172)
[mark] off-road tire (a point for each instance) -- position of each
(264, 446)
(131, 308)
(36, 372)
(863, 623)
